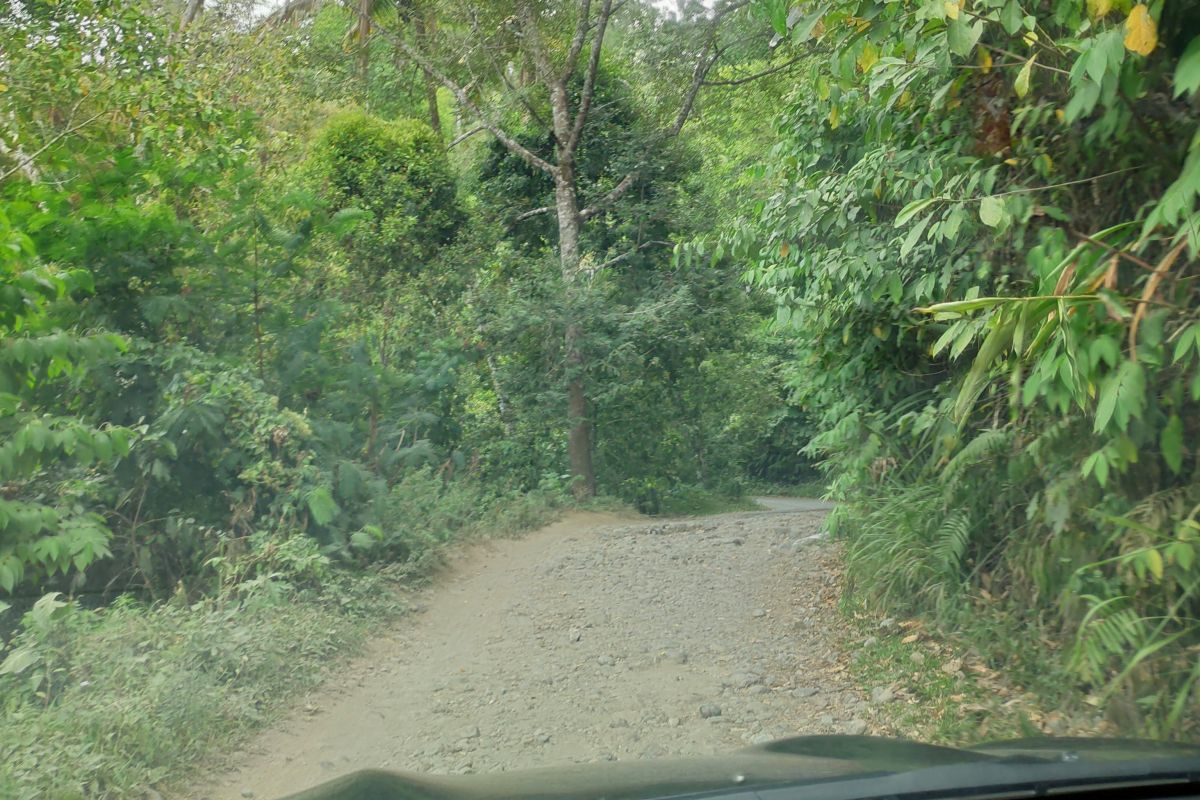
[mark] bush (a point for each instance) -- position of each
(397, 172)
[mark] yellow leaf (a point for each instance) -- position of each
(3, 88)
(905, 99)
(1012, 162)
(834, 120)
(951, 9)
(868, 57)
(985, 60)
(784, 249)
(1098, 8)
(819, 29)
(1154, 561)
(1030, 38)
(1060, 115)
(1141, 34)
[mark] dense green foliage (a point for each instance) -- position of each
(262, 329)
(281, 302)
(981, 232)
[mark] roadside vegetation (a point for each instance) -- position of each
(283, 313)
(290, 298)
(982, 233)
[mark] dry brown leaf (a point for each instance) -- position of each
(1148, 292)
(1064, 280)
(912, 637)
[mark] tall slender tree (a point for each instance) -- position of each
(558, 41)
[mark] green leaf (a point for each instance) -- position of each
(1188, 340)
(322, 506)
(991, 211)
(914, 236)
(362, 540)
(19, 660)
(46, 609)
(963, 35)
(1122, 396)
(1011, 16)
(1021, 85)
(1184, 554)
(1154, 561)
(1187, 71)
(912, 209)
(1171, 442)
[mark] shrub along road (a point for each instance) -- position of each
(595, 638)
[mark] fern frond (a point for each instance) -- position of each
(982, 449)
(950, 542)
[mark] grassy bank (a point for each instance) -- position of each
(985, 681)
(111, 702)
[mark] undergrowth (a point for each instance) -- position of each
(108, 702)
(987, 680)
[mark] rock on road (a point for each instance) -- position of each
(597, 638)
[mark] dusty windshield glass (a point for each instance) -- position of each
(459, 388)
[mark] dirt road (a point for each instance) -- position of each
(598, 638)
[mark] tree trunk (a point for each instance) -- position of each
(424, 30)
(365, 9)
(579, 438)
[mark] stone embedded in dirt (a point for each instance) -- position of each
(825, 719)
(801, 692)
(952, 667)
(247, 793)
(759, 613)
(709, 710)
(469, 732)
(676, 656)
(733, 540)
(742, 680)
(574, 635)
(541, 737)
(757, 688)
(618, 722)
(856, 727)
(762, 738)
(673, 722)
(882, 694)
(605, 660)
(870, 641)
(888, 624)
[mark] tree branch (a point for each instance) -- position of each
(589, 80)
(515, 147)
(631, 253)
(530, 32)
(25, 163)
(610, 198)
(528, 214)
(462, 137)
(703, 64)
(754, 77)
(581, 29)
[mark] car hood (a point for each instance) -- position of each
(851, 765)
